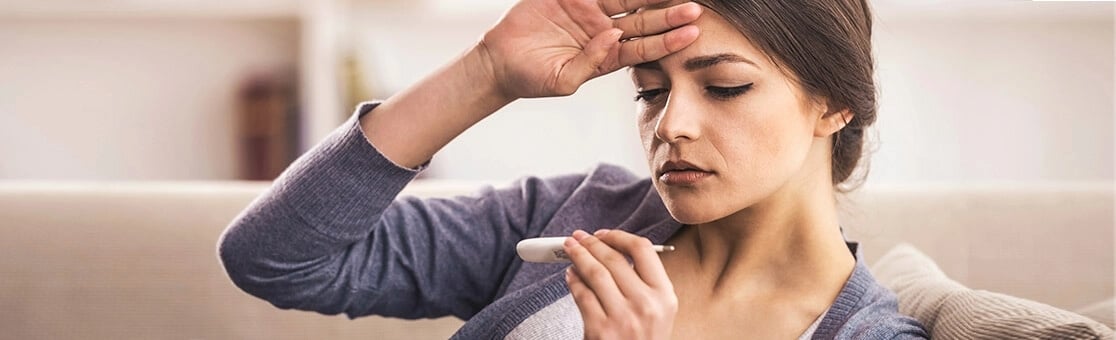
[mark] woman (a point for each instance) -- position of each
(750, 113)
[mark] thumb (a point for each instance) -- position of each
(586, 64)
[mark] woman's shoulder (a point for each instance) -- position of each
(610, 182)
(615, 174)
(867, 310)
(600, 178)
(879, 318)
(601, 196)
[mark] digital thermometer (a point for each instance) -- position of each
(550, 250)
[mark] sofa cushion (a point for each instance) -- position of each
(1103, 311)
(949, 310)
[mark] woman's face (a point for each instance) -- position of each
(723, 107)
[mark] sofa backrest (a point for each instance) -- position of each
(138, 260)
(1052, 243)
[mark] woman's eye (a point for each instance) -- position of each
(728, 92)
(649, 95)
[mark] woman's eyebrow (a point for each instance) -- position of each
(697, 63)
(701, 62)
(650, 65)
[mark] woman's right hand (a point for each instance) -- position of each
(544, 48)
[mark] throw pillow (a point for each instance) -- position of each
(949, 310)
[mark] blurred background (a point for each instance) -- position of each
(994, 90)
(133, 131)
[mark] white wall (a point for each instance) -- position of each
(1003, 91)
(994, 100)
(103, 97)
(970, 91)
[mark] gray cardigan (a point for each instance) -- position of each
(330, 235)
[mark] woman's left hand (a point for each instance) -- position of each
(619, 300)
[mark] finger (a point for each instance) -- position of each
(647, 263)
(630, 284)
(596, 276)
(586, 301)
(656, 47)
(616, 7)
(657, 21)
(587, 64)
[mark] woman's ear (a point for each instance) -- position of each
(831, 122)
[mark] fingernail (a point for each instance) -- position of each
(601, 232)
(686, 8)
(570, 242)
(580, 235)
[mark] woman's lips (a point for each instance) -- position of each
(684, 177)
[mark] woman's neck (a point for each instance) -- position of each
(789, 243)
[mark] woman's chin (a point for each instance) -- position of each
(691, 214)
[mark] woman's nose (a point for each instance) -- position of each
(678, 121)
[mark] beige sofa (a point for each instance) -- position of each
(137, 260)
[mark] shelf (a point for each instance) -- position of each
(898, 11)
(152, 8)
(894, 11)
(885, 9)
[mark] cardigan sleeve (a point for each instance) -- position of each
(331, 235)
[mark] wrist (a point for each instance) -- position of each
(482, 68)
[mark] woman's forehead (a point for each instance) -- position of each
(718, 36)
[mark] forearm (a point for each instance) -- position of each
(409, 127)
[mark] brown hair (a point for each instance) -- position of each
(827, 46)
